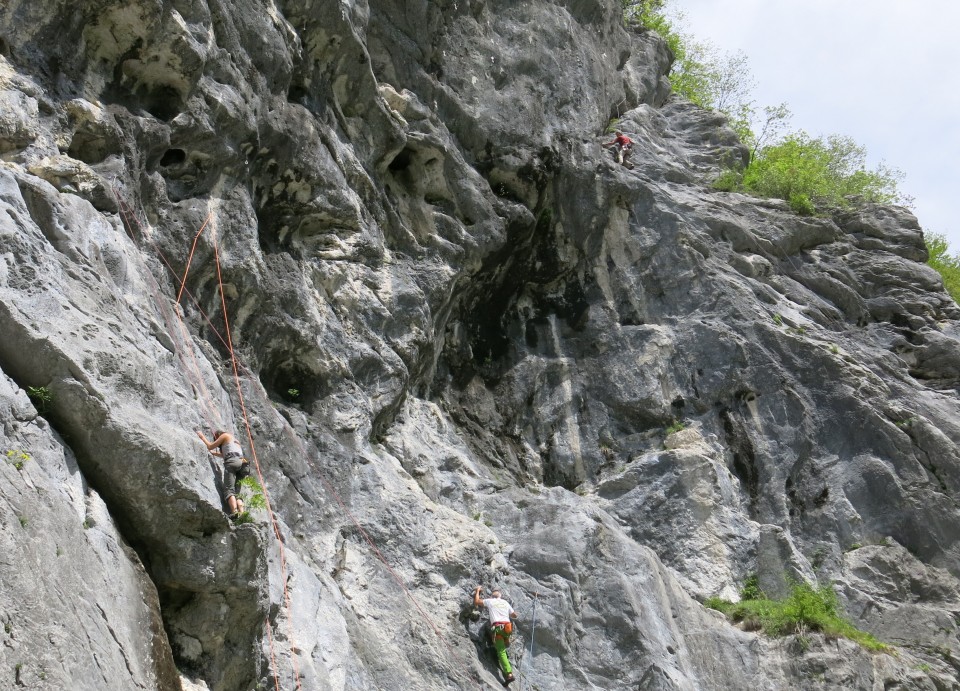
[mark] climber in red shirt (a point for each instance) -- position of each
(622, 143)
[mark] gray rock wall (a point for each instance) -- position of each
(463, 338)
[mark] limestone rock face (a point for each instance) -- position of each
(380, 241)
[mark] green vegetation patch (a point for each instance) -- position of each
(677, 426)
(805, 170)
(252, 493)
(946, 264)
(812, 174)
(805, 609)
(17, 457)
(41, 397)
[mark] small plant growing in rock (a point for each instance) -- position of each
(751, 589)
(946, 264)
(834, 349)
(675, 427)
(806, 609)
(727, 181)
(41, 397)
(293, 393)
(23, 521)
(17, 458)
(778, 320)
(252, 495)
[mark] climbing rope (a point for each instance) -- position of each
(236, 367)
(130, 221)
(256, 460)
(533, 628)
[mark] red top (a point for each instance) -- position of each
(622, 140)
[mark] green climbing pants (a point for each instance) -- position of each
(501, 639)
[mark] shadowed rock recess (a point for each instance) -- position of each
(457, 316)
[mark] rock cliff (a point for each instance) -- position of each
(463, 338)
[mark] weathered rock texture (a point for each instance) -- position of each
(462, 336)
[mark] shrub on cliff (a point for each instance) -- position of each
(946, 264)
(805, 609)
(808, 171)
(701, 72)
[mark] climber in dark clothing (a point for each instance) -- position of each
(500, 613)
(622, 144)
(235, 467)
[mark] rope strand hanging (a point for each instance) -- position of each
(236, 366)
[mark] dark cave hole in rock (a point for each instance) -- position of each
(555, 477)
(4, 46)
(91, 148)
(822, 497)
(172, 157)
(744, 461)
(298, 94)
(162, 102)
(530, 332)
(575, 308)
(293, 384)
(402, 161)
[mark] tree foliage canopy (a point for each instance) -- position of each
(946, 264)
(808, 172)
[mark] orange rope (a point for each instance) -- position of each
(132, 220)
(326, 483)
(256, 462)
(273, 659)
(193, 249)
(197, 385)
(236, 365)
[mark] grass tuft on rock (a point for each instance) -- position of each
(806, 609)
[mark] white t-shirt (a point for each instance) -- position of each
(498, 610)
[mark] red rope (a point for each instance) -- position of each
(236, 365)
(193, 249)
(256, 461)
(273, 659)
(131, 219)
(197, 385)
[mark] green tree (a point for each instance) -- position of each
(701, 72)
(946, 264)
(808, 171)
